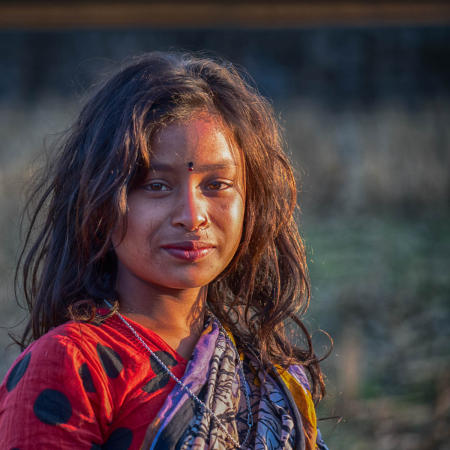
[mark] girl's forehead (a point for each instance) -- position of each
(203, 139)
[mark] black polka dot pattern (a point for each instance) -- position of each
(165, 357)
(52, 407)
(17, 372)
(161, 378)
(156, 383)
(86, 377)
(119, 439)
(110, 360)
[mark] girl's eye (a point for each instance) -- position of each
(217, 185)
(156, 187)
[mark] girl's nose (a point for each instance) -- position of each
(191, 210)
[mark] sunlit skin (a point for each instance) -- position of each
(183, 228)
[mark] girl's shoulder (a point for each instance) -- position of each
(70, 331)
(106, 350)
(68, 347)
(68, 338)
(55, 351)
(86, 337)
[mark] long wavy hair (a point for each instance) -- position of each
(67, 256)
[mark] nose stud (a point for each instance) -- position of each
(190, 166)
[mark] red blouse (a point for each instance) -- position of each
(86, 386)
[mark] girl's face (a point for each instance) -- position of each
(185, 221)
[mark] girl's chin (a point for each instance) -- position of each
(184, 283)
(190, 277)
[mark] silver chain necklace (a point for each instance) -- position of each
(189, 391)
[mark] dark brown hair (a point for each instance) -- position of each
(107, 151)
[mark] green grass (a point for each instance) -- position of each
(381, 289)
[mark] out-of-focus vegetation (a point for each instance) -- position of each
(377, 229)
(381, 283)
(366, 116)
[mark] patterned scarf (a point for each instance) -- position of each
(283, 412)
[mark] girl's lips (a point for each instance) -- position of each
(189, 251)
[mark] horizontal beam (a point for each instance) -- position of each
(59, 15)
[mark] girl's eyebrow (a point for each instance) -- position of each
(161, 167)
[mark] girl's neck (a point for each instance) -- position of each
(177, 316)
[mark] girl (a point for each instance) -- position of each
(163, 273)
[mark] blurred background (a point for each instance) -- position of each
(362, 90)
